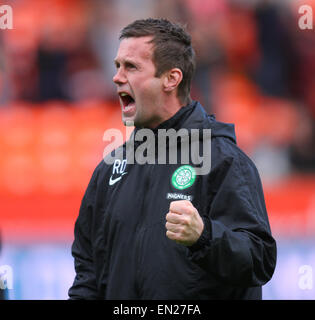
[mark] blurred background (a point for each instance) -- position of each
(255, 68)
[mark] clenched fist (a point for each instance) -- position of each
(183, 223)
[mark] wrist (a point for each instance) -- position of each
(205, 235)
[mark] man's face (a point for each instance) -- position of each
(140, 92)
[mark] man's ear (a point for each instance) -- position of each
(172, 79)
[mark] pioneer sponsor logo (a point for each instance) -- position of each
(178, 196)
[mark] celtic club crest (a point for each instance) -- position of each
(183, 177)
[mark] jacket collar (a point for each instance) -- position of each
(193, 116)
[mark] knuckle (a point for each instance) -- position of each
(171, 235)
(182, 231)
(173, 204)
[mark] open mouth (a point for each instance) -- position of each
(128, 103)
(126, 99)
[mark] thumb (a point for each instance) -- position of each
(180, 206)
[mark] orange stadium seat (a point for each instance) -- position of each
(47, 158)
(255, 116)
(236, 101)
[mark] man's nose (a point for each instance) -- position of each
(119, 77)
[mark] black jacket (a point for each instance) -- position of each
(121, 250)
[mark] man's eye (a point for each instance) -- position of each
(130, 66)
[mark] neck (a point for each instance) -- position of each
(168, 108)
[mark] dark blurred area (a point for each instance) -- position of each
(255, 68)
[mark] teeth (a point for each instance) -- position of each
(123, 94)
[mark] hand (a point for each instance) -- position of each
(183, 223)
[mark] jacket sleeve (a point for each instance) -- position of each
(84, 285)
(236, 244)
